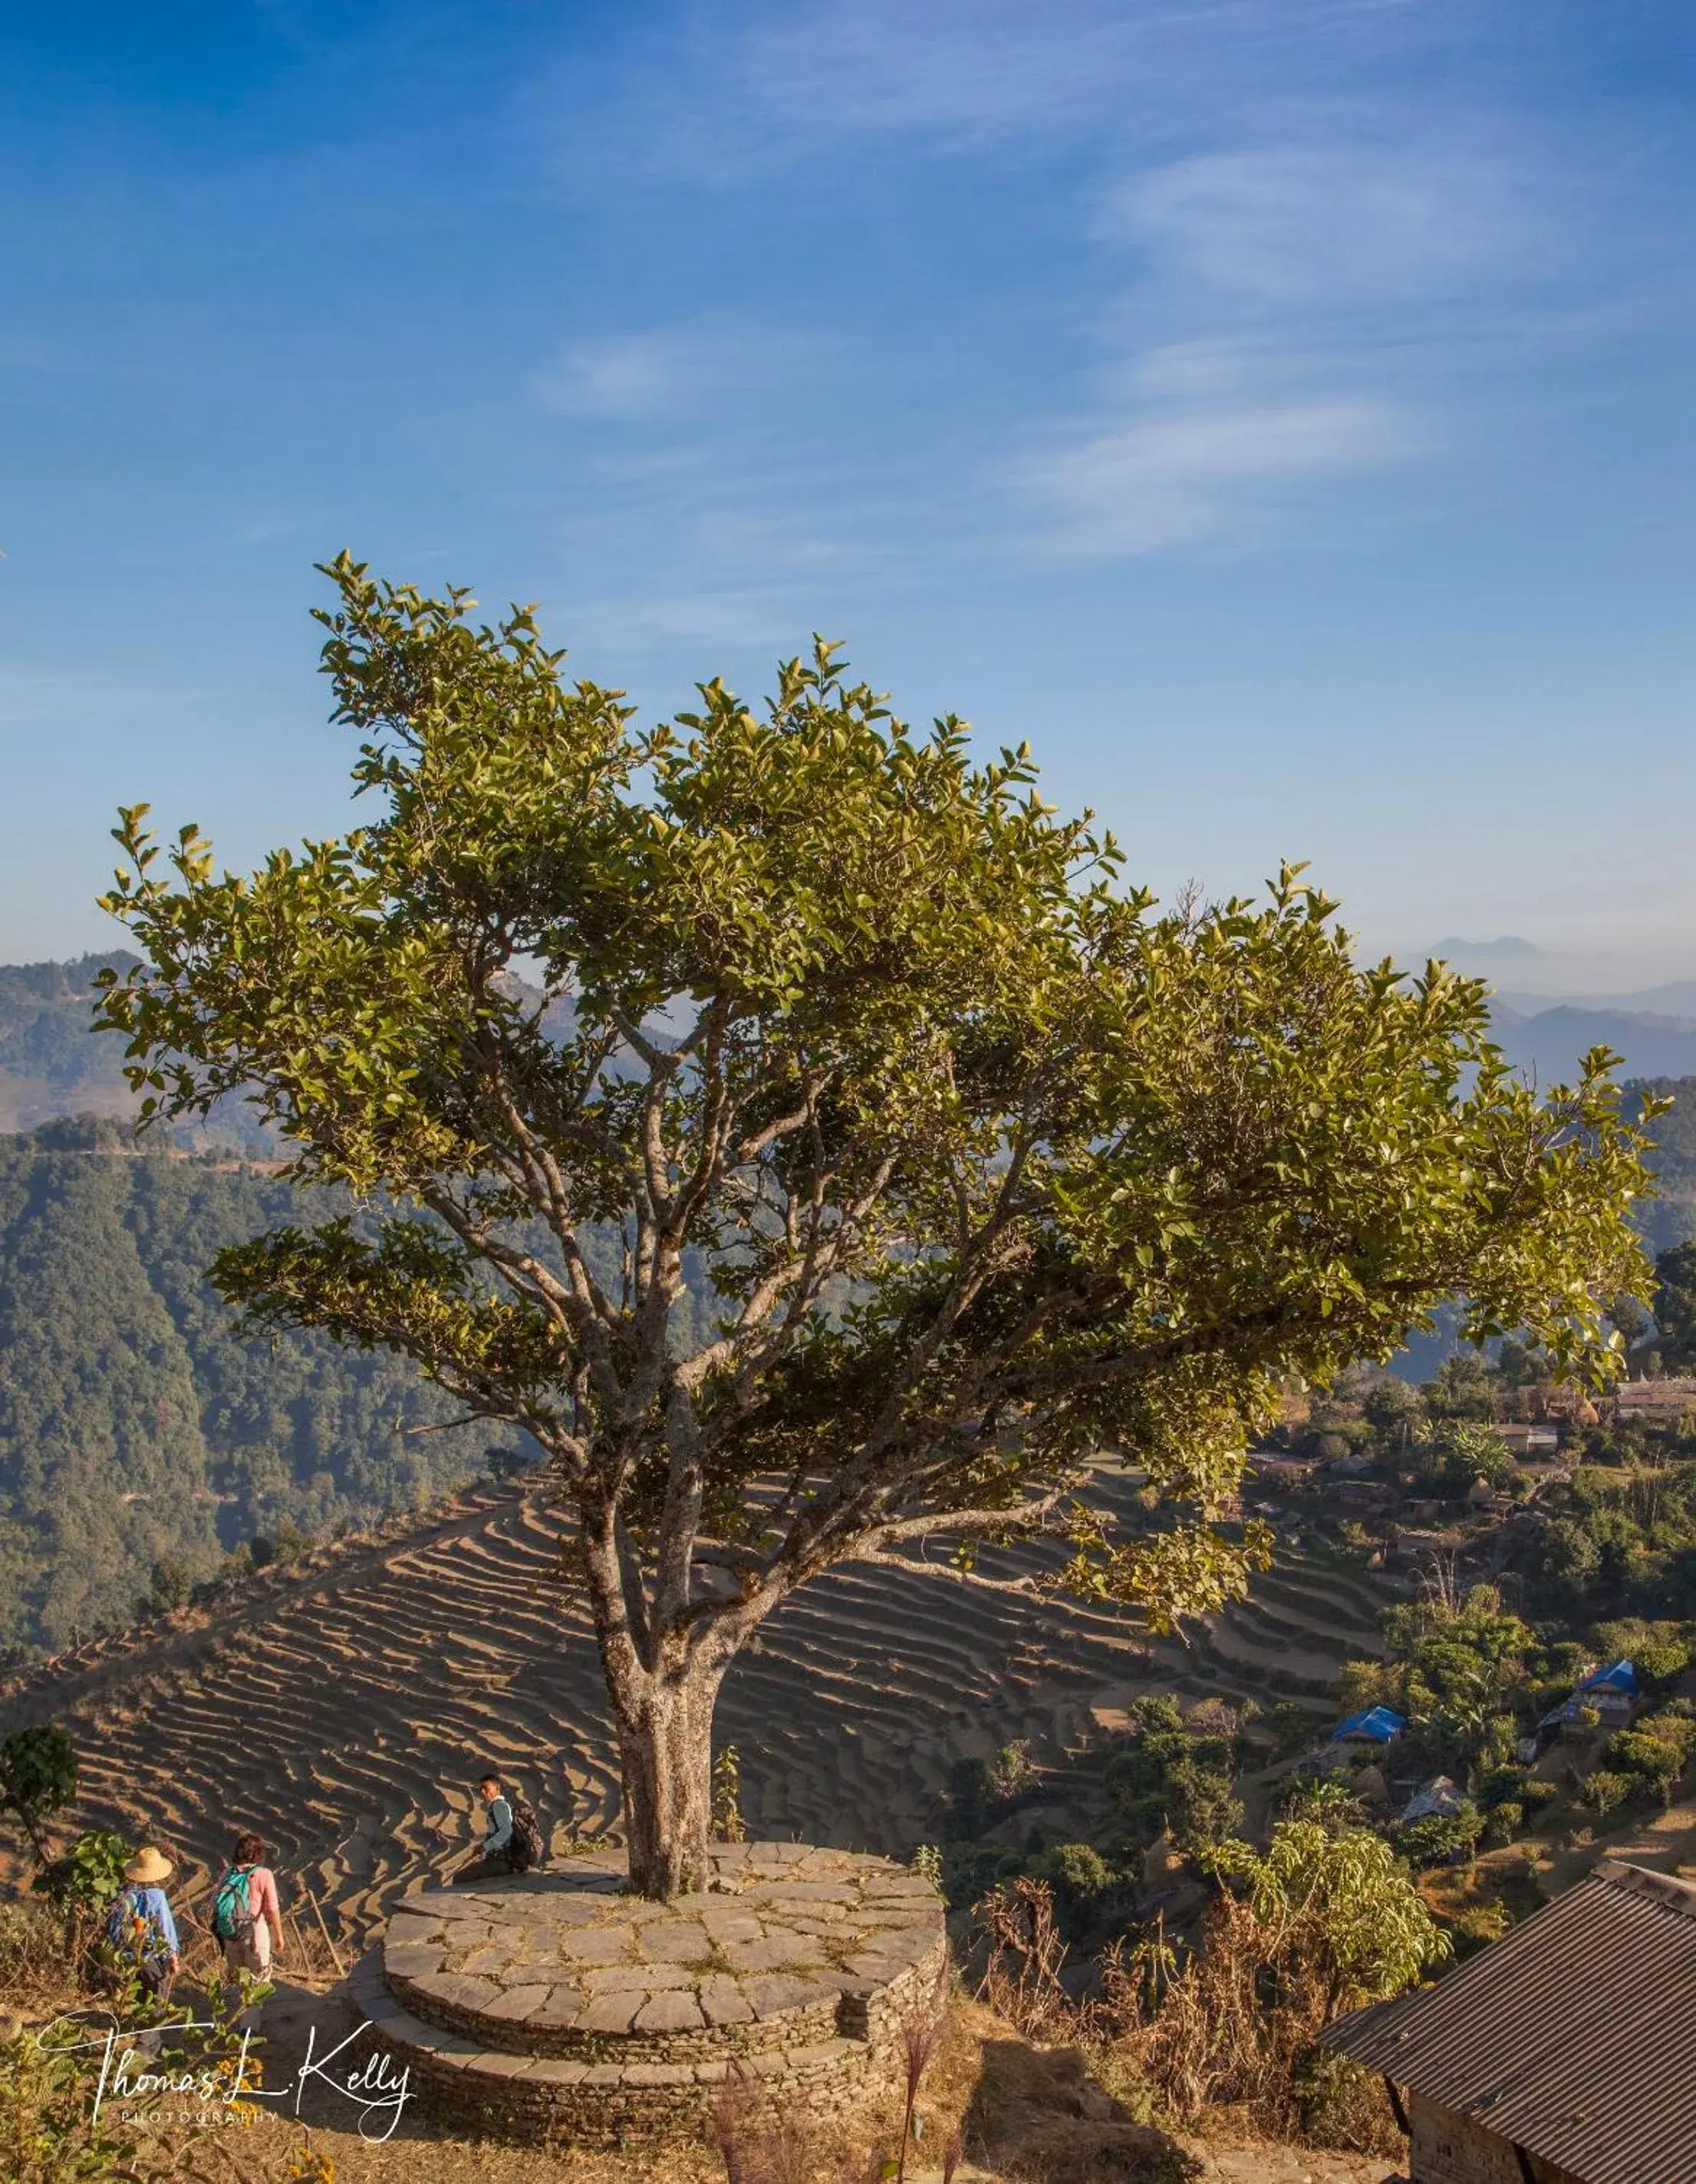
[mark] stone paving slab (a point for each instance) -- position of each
(547, 1962)
(555, 2005)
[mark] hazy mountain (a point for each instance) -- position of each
(1522, 971)
(51, 1063)
(1673, 1003)
(1550, 1042)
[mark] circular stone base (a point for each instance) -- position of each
(554, 2007)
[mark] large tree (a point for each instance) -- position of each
(994, 1169)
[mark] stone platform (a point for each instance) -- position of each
(555, 2007)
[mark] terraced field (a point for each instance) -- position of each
(343, 1709)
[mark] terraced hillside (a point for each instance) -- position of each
(344, 1709)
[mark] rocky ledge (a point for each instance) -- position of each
(555, 2007)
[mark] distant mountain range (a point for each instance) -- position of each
(1619, 978)
(51, 1065)
(1550, 1040)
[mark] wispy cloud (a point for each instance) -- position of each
(1288, 317)
(669, 375)
(1188, 474)
(1327, 226)
(972, 70)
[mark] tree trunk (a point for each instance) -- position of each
(665, 1749)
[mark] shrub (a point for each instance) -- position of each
(1291, 1728)
(171, 1586)
(1605, 1791)
(1498, 1785)
(1476, 1925)
(1659, 1652)
(1081, 1879)
(1328, 1801)
(1012, 1772)
(89, 1874)
(1440, 1838)
(1325, 1921)
(1654, 1763)
(1503, 1823)
(37, 1778)
(968, 1872)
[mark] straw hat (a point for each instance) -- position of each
(148, 1866)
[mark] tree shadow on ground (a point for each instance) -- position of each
(1035, 2115)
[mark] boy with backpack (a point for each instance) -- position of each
(246, 1915)
(139, 1925)
(512, 1835)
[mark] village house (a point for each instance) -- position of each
(1533, 1444)
(1663, 1402)
(1375, 1724)
(1564, 2053)
(1606, 1700)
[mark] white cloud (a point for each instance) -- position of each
(669, 375)
(972, 70)
(1189, 475)
(1327, 224)
(1291, 316)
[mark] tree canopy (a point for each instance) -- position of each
(994, 1165)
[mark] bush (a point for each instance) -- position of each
(1659, 1652)
(1503, 1824)
(90, 1874)
(1535, 1793)
(1605, 1791)
(1329, 1802)
(1476, 1925)
(1654, 1763)
(969, 1870)
(1324, 1922)
(1291, 1728)
(1012, 1772)
(1440, 1838)
(1498, 1785)
(1164, 1775)
(170, 1586)
(37, 1778)
(1081, 1879)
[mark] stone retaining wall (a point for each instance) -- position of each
(556, 2009)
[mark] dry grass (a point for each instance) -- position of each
(1024, 2112)
(1229, 2029)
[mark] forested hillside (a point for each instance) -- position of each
(133, 1428)
(51, 1063)
(1670, 1218)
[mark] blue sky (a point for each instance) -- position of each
(1281, 411)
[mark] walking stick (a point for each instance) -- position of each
(335, 1953)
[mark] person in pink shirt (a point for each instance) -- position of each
(249, 1886)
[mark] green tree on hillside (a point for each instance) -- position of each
(1341, 1903)
(37, 1779)
(1675, 1307)
(994, 1164)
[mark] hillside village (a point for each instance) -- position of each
(1041, 1751)
(1473, 1646)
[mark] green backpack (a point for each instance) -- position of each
(232, 1920)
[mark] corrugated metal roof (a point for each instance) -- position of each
(1573, 2036)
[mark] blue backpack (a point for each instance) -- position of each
(232, 1920)
(132, 1927)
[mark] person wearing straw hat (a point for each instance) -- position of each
(139, 1924)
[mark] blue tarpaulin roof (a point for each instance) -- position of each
(1379, 1723)
(1622, 1676)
